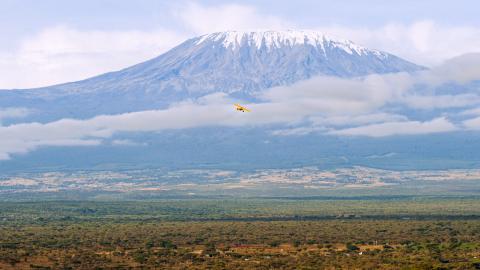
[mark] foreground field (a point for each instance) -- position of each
(96, 235)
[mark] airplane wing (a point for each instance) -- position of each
(240, 107)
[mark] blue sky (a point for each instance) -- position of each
(53, 41)
(24, 16)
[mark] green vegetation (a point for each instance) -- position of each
(240, 209)
(395, 233)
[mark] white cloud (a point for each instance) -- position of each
(11, 146)
(127, 143)
(472, 124)
(335, 95)
(346, 120)
(209, 111)
(21, 138)
(399, 128)
(298, 131)
(13, 112)
(441, 101)
(61, 54)
(424, 42)
(324, 103)
(206, 19)
(474, 112)
(461, 69)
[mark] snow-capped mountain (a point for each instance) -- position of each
(240, 64)
(236, 62)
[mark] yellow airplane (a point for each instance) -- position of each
(241, 108)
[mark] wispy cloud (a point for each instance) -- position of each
(327, 105)
(13, 112)
(348, 120)
(472, 123)
(127, 143)
(62, 53)
(424, 42)
(399, 128)
(203, 19)
(441, 101)
(470, 112)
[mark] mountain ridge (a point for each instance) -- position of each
(247, 67)
(238, 63)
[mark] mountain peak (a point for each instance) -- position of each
(284, 38)
(237, 63)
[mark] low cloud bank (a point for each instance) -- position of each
(373, 106)
(399, 128)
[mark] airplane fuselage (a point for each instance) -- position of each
(241, 108)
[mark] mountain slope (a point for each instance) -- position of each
(238, 63)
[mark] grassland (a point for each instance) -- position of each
(242, 209)
(308, 233)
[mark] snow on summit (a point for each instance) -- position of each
(277, 39)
